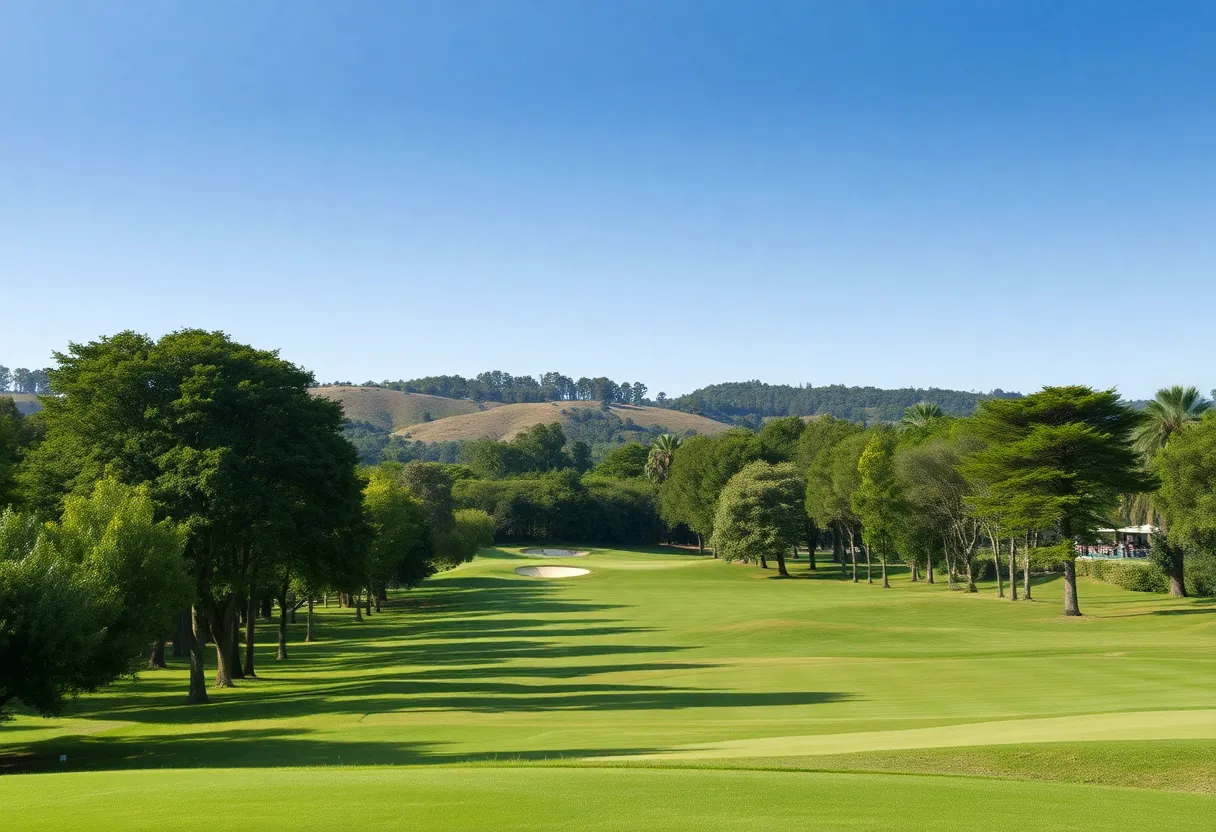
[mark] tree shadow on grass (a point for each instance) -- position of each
(471, 645)
(253, 748)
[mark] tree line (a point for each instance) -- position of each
(750, 402)
(1019, 483)
(497, 386)
(22, 380)
(178, 489)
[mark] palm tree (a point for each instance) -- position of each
(920, 414)
(661, 454)
(1168, 412)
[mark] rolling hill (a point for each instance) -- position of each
(27, 403)
(505, 421)
(392, 410)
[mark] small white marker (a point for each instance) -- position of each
(63, 758)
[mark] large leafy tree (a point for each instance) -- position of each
(235, 449)
(879, 501)
(759, 514)
(627, 461)
(700, 469)
(817, 447)
(81, 598)
(1063, 455)
(1187, 497)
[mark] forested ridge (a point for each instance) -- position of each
(737, 400)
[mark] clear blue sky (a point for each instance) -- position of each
(968, 194)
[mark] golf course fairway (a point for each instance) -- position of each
(662, 690)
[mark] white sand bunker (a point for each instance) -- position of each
(550, 571)
(556, 553)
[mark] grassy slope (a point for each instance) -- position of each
(391, 409)
(506, 421)
(27, 403)
(482, 682)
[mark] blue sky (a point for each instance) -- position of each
(968, 194)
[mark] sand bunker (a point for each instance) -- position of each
(556, 553)
(550, 571)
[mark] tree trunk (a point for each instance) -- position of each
(763, 561)
(971, 571)
(221, 634)
(282, 654)
(1026, 569)
(358, 607)
(996, 563)
(198, 639)
(701, 545)
(1070, 588)
(869, 565)
(885, 583)
(267, 608)
(181, 636)
(853, 553)
(1177, 575)
(838, 547)
(781, 570)
(308, 628)
(234, 649)
(156, 661)
(1013, 572)
(929, 564)
(812, 538)
(251, 610)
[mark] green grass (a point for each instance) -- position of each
(672, 688)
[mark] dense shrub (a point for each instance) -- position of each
(1138, 576)
(563, 506)
(1201, 574)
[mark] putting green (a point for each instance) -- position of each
(484, 694)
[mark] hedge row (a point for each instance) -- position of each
(1138, 576)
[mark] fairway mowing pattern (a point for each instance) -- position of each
(485, 698)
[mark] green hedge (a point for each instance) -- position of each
(1138, 576)
(1200, 571)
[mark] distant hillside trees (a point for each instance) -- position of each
(497, 386)
(754, 400)
(21, 380)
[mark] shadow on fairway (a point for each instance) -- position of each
(255, 748)
(465, 644)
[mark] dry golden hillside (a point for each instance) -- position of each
(391, 409)
(506, 421)
(27, 403)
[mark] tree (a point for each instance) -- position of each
(700, 468)
(23, 380)
(1186, 466)
(660, 456)
(938, 494)
(1172, 409)
(402, 546)
(234, 447)
(580, 456)
(626, 461)
(1063, 455)
(6, 378)
(813, 456)
(83, 597)
(920, 414)
(759, 514)
(779, 438)
(878, 501)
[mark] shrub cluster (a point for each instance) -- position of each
(564, 506)
(1137, 576)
